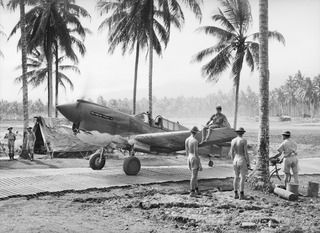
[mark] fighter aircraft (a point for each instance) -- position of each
(106, 127)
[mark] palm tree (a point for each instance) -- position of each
(261, 178)
(71, 13)
(45, 26)
(38, 71)
(13, 4)
(128, 27)
(165, 11)
(234, 45)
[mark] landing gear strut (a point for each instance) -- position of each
(131, 165)
(97, 160)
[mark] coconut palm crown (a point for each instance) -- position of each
(234, 43)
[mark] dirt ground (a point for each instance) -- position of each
(162, 208)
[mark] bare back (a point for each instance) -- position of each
(239, 147)
(191, 145)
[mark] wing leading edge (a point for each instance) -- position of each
(174, 141)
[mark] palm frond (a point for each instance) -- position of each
(217, 65)
(271, 35)
(209, 51)
(216, 31)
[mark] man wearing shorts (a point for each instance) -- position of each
(31, 138)
(241, 162)
(288, 149)
(191, 145)
(11, 139)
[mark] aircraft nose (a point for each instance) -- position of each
(70, 111)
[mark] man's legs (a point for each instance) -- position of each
(193, 181)
(294, 166)
(243, 174)
(11, 150)
(204, 133)
(236, 181)
(286, 170)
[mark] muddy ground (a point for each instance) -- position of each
(162, 208)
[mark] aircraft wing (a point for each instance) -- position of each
(175, 140)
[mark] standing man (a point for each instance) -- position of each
(288, 148)
(191, 145)
(217, 120)
(241, 162)
(11, 139)
(31, 138)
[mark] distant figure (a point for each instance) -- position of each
(288, 149)
(241, 162)
(217, 120)
(150, 120)
(30, 140)
(194, 163)
(49, 150)
(11, 140)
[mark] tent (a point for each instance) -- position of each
(54, 135)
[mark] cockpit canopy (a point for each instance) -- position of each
(160, 122)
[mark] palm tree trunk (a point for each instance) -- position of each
(260, 179)
(150, 56)
(236, 104)
(50, 94)
(24, 79)
(57, 80)
(135, 78)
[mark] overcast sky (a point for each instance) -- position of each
(174, 75)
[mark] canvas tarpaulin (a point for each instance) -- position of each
(62, 140)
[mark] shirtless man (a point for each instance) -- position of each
(191, 145)
(288, 149)
(217, 120)
(241, 162)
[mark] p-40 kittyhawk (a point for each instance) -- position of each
(103, 126)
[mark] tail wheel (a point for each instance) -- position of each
(131, 166)
(97, 163)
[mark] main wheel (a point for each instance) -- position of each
(131, 166)
(96, 163)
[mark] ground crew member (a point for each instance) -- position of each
(288, 150)
(217, 120)
(194, 163)
(11, 139)
(241, 162)
(30, 140)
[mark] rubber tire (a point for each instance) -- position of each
(131, 166)
(93, 162)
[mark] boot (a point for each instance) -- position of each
(236, 195)
(197, 191)
(192, 193)
(242, 196)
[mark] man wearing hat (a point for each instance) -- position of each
(288, 148)
(194, 163)
(241, 162)
(30, 140)
(11, 139)
(217, 120)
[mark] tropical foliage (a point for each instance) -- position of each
(52, 25)
(299, 96)
(234, 44)
(128, 27)
(145, 17)
(38, 71)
